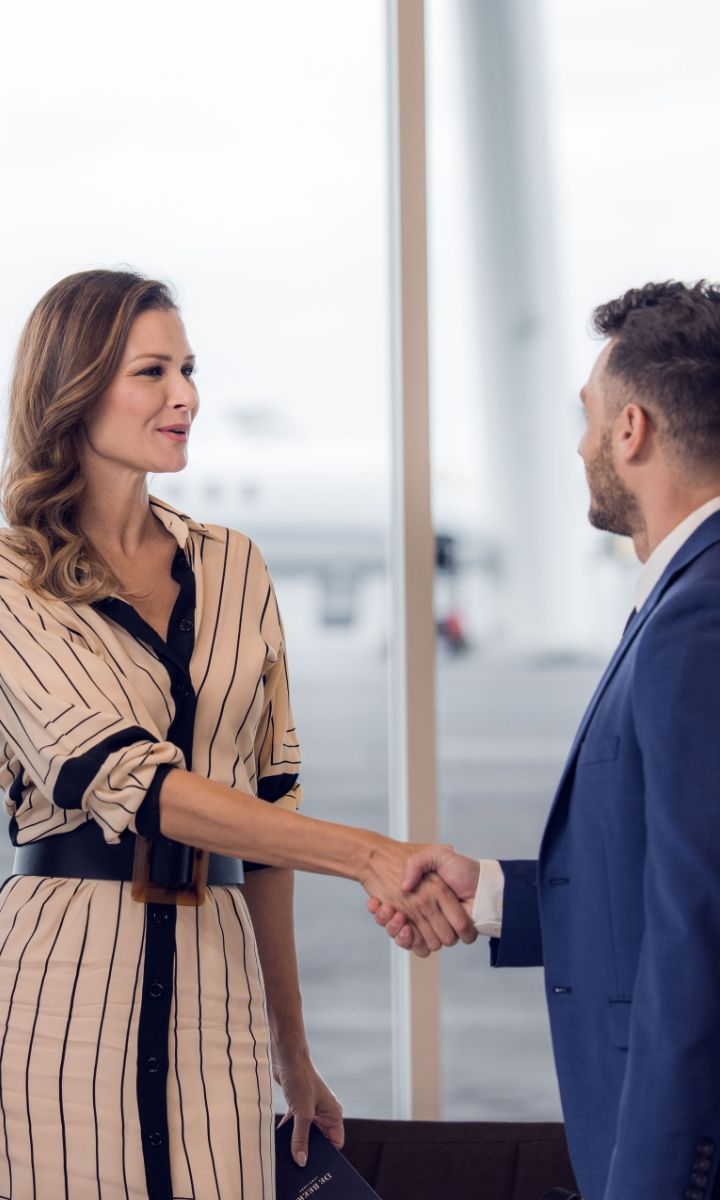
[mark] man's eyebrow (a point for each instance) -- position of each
(162, 357)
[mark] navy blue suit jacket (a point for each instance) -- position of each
(623, 905)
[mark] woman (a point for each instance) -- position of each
(143, 691)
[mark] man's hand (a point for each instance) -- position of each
(460, 873)
(432, 908)
(456, 870)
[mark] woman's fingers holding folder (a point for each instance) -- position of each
(310, 1101)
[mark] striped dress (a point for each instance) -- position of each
(134, 1046)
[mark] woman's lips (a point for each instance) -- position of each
(174, 435)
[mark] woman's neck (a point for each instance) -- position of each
(116, 515)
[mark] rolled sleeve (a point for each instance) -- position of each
(82, 740)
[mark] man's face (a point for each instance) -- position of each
(613, 507)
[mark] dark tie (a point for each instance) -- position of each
(630, 622)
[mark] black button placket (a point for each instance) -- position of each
(169, 861)
(153, 1059)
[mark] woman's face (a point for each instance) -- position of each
(142, 421)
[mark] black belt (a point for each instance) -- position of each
(84, 854)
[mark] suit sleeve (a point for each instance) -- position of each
(72, 721)
(669, 1119)
(520, 943)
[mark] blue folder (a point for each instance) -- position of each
(327, 1176)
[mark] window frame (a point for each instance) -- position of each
(416, 1026)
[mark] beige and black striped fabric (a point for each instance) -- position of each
(92, 703)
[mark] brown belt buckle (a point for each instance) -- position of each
(146, 892)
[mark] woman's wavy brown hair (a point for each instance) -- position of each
(69, 351)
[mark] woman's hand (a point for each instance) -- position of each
(433, 909)
(309, 1100)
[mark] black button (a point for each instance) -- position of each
(702, 1164)
(181, 691)
(561, 991)
(156, 990)
(152, 1065)
(186, 626)
(160, 916)
(155, 1139)
(699, 1179)
(705, 1147)
(693, 1194)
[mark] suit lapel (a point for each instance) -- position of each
(699, 541)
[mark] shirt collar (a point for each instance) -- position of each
(664, 553)
(180, 524)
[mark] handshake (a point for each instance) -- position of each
(431, 904)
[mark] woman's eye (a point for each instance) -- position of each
(156, 371)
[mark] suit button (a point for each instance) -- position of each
(699, 1178)
(692, 1194)
(705, 1147)
(152, 1065)
(156, 990)
(561, 991)
(155, 1139)
(702, 1164)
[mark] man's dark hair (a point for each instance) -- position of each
(667, 352)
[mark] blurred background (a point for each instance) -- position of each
(241, 151)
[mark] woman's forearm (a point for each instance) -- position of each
(211, 816)
(200, 812)
(269, 896)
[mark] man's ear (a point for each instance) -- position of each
(633, 432)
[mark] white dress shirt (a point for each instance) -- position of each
(488, 902)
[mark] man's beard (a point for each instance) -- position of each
(612, 506)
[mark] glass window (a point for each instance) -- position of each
(241, 152)
(568, 161)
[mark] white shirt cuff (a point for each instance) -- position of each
(488, 903)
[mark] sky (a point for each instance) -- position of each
(241, 152)
(238, 150)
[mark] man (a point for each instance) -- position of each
(623, 904)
